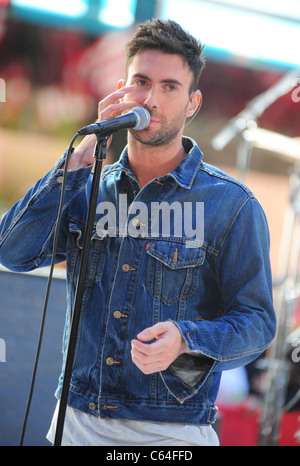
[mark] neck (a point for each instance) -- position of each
(149, 162)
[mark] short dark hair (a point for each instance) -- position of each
(169, 37)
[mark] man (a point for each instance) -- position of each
(163, 313)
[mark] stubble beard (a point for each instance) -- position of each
(162, 137)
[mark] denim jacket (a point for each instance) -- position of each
(216, 289)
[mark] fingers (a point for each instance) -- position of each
(113, 105)
(110, 107)
(155, 331)
(158, 355)
(148, 358)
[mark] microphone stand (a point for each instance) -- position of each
(99, 155)
(244, 124)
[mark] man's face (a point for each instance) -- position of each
(162, 85)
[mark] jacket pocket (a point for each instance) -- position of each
(173, 271)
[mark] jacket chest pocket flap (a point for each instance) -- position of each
(173, 270)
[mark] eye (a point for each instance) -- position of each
(141, 82)
(171, 87)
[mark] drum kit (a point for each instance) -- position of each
(285, 349)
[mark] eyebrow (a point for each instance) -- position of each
(165, 81)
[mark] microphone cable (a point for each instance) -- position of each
(47, 293)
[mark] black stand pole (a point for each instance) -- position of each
(99, 155)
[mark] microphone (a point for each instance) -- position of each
(138, 118)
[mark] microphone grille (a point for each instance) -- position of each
(143, 118)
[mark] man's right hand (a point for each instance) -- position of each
(110, 107)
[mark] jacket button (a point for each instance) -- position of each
(92, 406)
(137, 223)
(117, 314)
(125, 267)
(110, 361)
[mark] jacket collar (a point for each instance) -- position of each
(183, 175)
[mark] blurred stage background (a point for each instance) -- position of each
(57, 60)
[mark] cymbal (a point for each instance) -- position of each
(282, 146)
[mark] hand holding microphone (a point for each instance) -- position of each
(110, 118)
(138, 118)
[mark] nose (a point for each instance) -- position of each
(151, 98)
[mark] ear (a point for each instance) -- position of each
(194, 103)
(121, 83)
